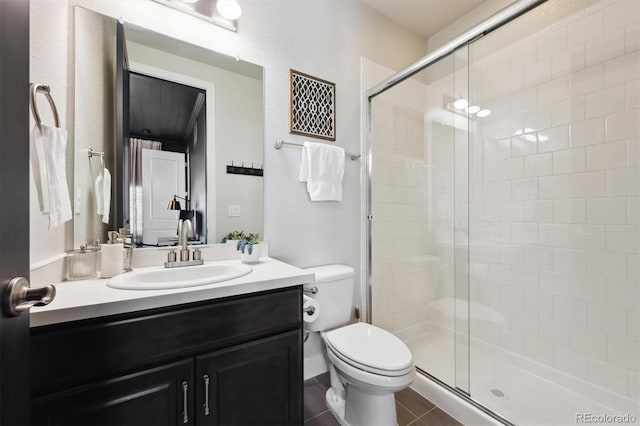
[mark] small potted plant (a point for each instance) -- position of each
(232, 237)
(249, 248)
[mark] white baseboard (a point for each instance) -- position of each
(314, 366)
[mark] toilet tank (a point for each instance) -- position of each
(335, 295)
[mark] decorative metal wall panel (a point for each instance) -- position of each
(312, 106)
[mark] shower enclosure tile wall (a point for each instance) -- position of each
(399, 188)
(555, 225)
(514, 238)
(413, 214)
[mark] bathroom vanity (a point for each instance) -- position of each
(226, 353)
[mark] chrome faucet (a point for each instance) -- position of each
(185, 231)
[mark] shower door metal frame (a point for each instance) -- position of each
(490, 24)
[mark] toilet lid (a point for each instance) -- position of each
(370, 346)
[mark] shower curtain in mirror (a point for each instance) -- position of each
(135, 187)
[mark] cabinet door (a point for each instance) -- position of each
(159, 396)
(258, 383)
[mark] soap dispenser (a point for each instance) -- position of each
(112, 256)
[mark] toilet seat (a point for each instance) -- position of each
(374, 383)
(369, 348)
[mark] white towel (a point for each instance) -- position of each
(99, 191)
(106, 195)
(39, 168)
(54, 144)
(322, 169)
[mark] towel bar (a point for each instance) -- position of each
(93, 153)
(35, 88)
(279, 145)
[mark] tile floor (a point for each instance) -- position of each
(412, 409)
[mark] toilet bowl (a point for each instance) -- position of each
(367, 364)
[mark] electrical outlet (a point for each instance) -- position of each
(234, 211)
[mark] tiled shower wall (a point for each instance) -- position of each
(401, 209)
(554, 191)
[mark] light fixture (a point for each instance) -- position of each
(229, 9)
(175, 204)
(460, 103)
(529, 135)
(472, 109)
(223, 13)
(464, 107)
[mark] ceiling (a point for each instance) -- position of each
(424, 17)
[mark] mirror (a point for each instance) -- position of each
(200, 117)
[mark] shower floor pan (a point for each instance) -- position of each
(521, 390)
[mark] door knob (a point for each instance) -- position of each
(19, 297)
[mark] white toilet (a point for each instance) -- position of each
(367, 364)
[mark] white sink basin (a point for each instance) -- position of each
(159, 278)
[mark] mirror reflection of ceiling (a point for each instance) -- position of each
(190, 51)
(152, 100)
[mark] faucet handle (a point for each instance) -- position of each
(197, 254)
(172, 256)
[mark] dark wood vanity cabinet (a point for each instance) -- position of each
(249, 384)
(150, 397)
(234, 361)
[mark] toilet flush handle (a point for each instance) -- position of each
(312, 290)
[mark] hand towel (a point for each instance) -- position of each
(99, 191)
(304, 165)
(106, 195)
(39, 168)
(323, 169)
(54, 142)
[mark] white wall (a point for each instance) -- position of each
(466, 22)
(51, 63)
(325, 39)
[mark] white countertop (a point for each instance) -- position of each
(76, 300)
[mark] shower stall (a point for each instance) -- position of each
(503, 233)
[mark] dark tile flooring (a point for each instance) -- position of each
(412, 409)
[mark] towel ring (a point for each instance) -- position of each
(42, 88)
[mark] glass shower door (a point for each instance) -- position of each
(419, 240)
(505, 231)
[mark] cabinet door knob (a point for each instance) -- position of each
(185, 389)
(206, 394)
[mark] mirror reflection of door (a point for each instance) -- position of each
(167, 147)
(163, 178)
